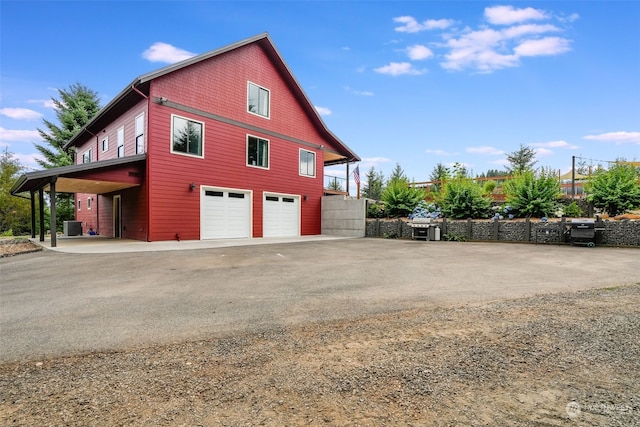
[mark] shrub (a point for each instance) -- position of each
(488, 187)
(614, 190)
(573, 210)
(531, 194)
(376, 210)
(400, 199)
(463, 198)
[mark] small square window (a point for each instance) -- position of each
(105, 144)
(187, 136)
(307, 163)
(258, 100)
(257, 152)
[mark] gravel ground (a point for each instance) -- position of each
(552, 360)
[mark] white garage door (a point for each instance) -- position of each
(225, 214)
(281, 215)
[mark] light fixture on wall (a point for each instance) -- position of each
(163, 100)
(305, 197)
(192, 186)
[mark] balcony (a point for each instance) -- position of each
(335, 186)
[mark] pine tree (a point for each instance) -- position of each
(76, 106)
(373, 185)
(521, 160)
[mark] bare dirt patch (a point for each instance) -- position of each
(11, 247)
(551, 360)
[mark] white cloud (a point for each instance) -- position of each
(376, 160)
(163, 52)
(501, 162)
(20, 113)
(491, 151)
(48, 103)
(439, 152)
(508, 36)
(621, 137)
(411, 25)
(323, 111)
(527, 29)
(541, 151)
(358, 92)
(507, 15)
(19, 135)
(544, 46)
(554, 144)
(418, 52)
(398, 69)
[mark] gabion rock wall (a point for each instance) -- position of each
(616, 233)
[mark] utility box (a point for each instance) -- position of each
(72, 228)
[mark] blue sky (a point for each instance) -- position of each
(409, 82)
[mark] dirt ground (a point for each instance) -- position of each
(552, 360)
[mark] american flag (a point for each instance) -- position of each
(356, 174)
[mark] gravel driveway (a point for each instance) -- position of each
(364, 332)
(54, 304)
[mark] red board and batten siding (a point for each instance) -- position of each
(219, 86)
(134, 211)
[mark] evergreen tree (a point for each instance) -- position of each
(521, 160)
(76, 106)
(373, 185)
(15, 212)
(397, 174)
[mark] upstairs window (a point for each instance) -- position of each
(258, 100)
(86, 156)
(187, 136)
(307, 163)
(105, 144)
(140, 134)
(257, 152)
(121, 142)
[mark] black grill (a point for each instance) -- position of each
(583, 232)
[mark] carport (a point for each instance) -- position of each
(100, 177)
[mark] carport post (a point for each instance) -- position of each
(53, 225)
(33, 214)
(41, 209)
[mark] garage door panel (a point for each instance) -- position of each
(281, 216)
(226, 214)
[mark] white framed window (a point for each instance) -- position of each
(258, 100)
(187, 136)
(120, 134)
(104, 144)
(79, 204)
(307, 163)
(86, 156)
(140, 134)
(257, 152)
(89, 203)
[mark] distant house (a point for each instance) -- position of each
(223, 145)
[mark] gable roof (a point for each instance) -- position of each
(132, 93)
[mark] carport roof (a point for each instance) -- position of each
(69, 179)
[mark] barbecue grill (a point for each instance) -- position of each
(583, 232)
(422, 228)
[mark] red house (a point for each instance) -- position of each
(223, 145)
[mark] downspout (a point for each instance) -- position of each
(147, 168)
